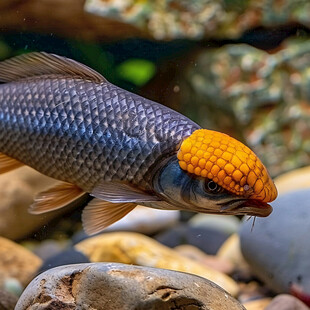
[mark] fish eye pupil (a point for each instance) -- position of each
(213, 187)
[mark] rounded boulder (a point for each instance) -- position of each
(119, 286)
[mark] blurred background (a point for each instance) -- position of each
(237, 66)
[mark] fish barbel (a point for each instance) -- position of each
(68, 122)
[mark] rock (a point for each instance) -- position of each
(81, 235)
(66, 257)
(252, 291)
(165, 20)
(293, 180)
(259, 304)
(212, 261)
(299, 292)
(286, 302)
(143, 220)
(146, 220)
(116, 286)
(230, 250)
(17, 262)
(17, 190)
(239, 86)
(227, 224)
(137, 249)
(7, 300)
(49, 248)
(278, 247)
(13, 286)
(206, 239)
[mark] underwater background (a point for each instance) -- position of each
(241, 67)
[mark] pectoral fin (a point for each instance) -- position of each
(99, 214)
(55, 198)
(120, 192)
(8, 163)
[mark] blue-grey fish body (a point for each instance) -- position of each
(84, 132)
(66, 121)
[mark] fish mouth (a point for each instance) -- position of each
(251, 207)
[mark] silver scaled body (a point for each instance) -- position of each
(83, 132)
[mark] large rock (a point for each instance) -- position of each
(7, 300)
(158, 19)
(117, 286)
(217, 263)
(293, 180)
(171, 19)
(259, 304)
(206, 239)
(278, 247)
(16, 262)
(146, 220)
(66, 257)
(286, 302)
(17, 190)
(141, 219)
(227, 224)
(230, 250)
(137, 249)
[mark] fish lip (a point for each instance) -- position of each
(246, 206)
(254, 207)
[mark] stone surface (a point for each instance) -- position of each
(206, 239)
(137, 249)
(17, 262)
(66, 257)
(49, 248)
(157, 19)
(228, 224)
(201, 18)
(278, 247)
(117, 286)
(7, 300)
(13, 286)
(146, 220)
(230, 250)
(293, 180)
(286, 302)
(217, 263)
(17, 190)
(252, 291)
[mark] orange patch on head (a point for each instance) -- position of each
(227, 162)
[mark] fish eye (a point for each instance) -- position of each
(212, 187)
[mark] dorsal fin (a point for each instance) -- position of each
(41, 63)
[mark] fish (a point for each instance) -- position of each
(68, 122)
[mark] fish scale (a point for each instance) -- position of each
(83, 132)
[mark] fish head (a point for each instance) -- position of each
(214, 173)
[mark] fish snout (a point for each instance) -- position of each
(254, 207)
(243, 206)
